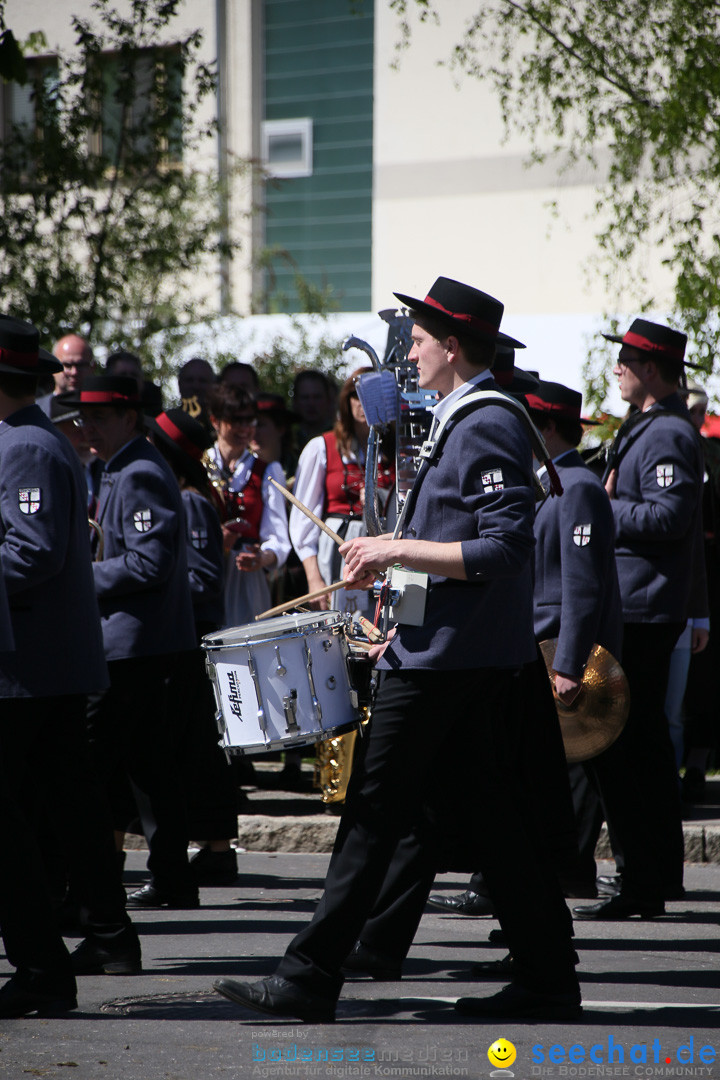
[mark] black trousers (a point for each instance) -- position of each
(206, 775)
(422, 718)
(637, 775)
(45, 763)
(130, 740)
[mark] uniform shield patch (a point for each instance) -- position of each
(199, 539)
(492, 480)
(142, 520)
(29, 500)
(581, 535)
(664, 474)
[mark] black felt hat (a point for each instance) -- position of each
(512, 380)
(180, 431)
(106, 391)
(463, 309)
(554, 399)
(653, 338)
(20, 352)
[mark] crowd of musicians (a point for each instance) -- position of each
(129, 531)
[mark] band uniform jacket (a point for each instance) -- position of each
(206, 559)
(142, 581)
(7, 641)
(46, 563)
(577, 595)
(657, 511)
(477, 490)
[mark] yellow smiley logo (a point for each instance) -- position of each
(502, 1054)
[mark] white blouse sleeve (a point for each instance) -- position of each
(273, 524)
(310, 490)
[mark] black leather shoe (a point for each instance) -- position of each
(515, 1002)
(497, 937)
(501, 969)
(615, 908)
(151, 897)
(93, 958)
(214, 867)
(44, 998)
(611, 885)
(467, 903)
(277, 997)
(379, 966)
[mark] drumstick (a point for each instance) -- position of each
(308, 513)
(301, 600)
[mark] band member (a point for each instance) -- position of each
(468, 524)
(56, 661)
(255, 526)
(141, 581)
(206, 774)
(331, 482)
(654, 480)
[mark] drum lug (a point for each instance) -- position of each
(290, 709)
(252, 668)
(311, 681)
(280, 669)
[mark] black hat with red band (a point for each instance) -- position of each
(555, 400)
(180, 432)
(654, 338)
(104, 391)
(511, 379)
(462, 309)
(20, 352)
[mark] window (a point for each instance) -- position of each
(28, 110)
(287, 148)
(140, 107)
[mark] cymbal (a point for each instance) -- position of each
(599, 712)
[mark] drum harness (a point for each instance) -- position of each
(389, 596)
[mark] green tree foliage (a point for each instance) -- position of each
(105, 216)
(633, 87)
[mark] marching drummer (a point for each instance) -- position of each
(444, 690)
(141, 581)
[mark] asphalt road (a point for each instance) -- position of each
(651, 990)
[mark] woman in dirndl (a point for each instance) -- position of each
(255, 527)
(330, 481)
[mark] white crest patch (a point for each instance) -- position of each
(492, 480)
(664, 474)
(199, 539)
(581, 535)
(29, 500)
(142, 520)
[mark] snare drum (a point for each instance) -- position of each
(283, 682)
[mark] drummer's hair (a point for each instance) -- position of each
(478, 353)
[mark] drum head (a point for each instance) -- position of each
(274, 628)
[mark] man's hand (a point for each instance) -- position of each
(699, 639)
(567, 688)
(366, 557)
(611, 483)
(376, 651)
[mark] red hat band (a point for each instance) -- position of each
(105, 397)
(18, 359)
(559, 407)
(179, 437)
(639, 342)
(471, 320)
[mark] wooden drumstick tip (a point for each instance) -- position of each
(372, 632)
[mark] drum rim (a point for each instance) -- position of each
(283, 744)
(320, 620)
